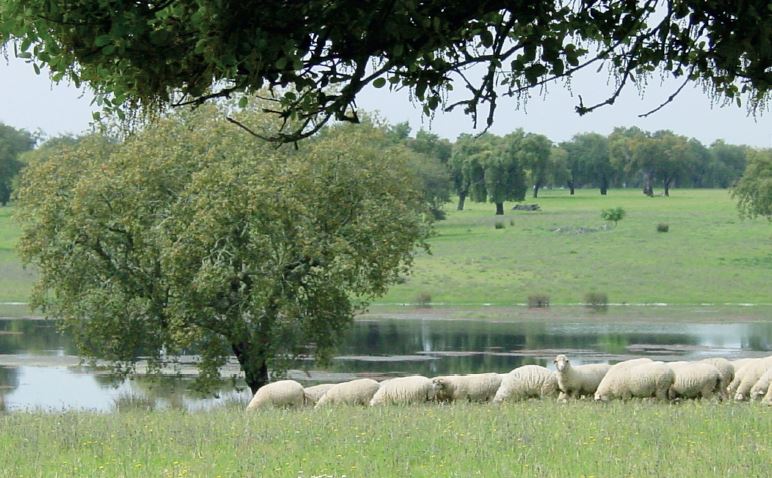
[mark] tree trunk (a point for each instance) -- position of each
(648, 188)
(603, 186)
(667, 187)
(571, 187)
(461, 199)
(535, 190)
(499, 208)
(253, 364)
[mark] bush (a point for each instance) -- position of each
(511, 222)
(538, 301)
(615, 214)
(132, 402)
(423, 299)
(596, 300)
(499, 225)
(662, 227)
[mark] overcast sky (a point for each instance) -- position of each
(31, 102)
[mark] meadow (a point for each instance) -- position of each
(536, 438)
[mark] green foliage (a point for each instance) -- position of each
(597, 301)
(317, 55)
(194, 236)
(663, 227)
(538, 301)
(423, 299)
(13, 142)
(499, 225)
(753, 191)
(614, 214)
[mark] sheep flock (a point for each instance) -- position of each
(708, 379)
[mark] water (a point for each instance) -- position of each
(39, 369)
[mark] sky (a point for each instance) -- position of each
(32, 102)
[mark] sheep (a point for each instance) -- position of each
(693, 380)
(725, 369)
(767, 400)
(313, 394)
(355, 392)
(747, 376)
(404, 391)
(739, 363)
(528, 381)
(479, 387)
(762, 386)
(284, 393)
(640, 378)
(576, 381)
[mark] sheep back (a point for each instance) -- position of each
(612, 384)
(725, 369)
(748, 375)
(694, 380)
(480, 387)
(284, 393)
(314, 393)
(404, 390)
(528, 381)
(355, 392)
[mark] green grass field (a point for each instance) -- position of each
(540, 438)
(709, 254)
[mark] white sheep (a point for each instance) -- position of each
(355, 392)
(576, 381)
(725, 369)
(404, 391)
(739, 363)
(767, 400)
(694, 380)
(284, 393)
(639, 378)
(762, 386)
(747, 376)
(528, 381)
(314, 393)
(479, 387)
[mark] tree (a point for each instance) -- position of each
(631, 151)
(614, 214)
(590, 153)
(754, 190)
(13, 142)
(728, 161)
(675, 157)
(465, 169)
(533, 153)
(316, 56)
(193, 235)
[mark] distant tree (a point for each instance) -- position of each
(431, 145)
(193, 235)
(754, 190)
(674, 157)
(465, 169)
(728, 163)
(560, 167)
(632, 151)
(13, 142)
(590, 154)
(614, 214)
(533, 153)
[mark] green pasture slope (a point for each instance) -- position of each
(15, 282)
(536, 438)
(709, 255)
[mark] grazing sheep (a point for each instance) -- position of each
(404, 391)
(284, 393)
(694, 380)
(313, 394)
(767, 400)
(762, 386)
(576, 381)
(739, 363)
(480, 387)
(355, 392)
(747, 376)
(640, 378)
(725, 369)
(528, 381)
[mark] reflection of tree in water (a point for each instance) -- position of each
(759, 337)
(32, 337)
(9, 380)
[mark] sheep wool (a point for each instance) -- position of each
(284, 393)
(528, 381)
(580, 380)
(761, 387)
(694, 380)
(615, 379)
(747, 376)
(725, 369)
(480, 387)
(404, 391)
(313, 394)
(355, 392)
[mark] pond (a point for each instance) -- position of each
(39, 369)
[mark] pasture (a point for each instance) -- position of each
(536, 438)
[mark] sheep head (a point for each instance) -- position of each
(561, 362)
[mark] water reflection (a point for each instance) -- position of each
(35, 359)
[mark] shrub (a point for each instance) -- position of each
(662, 227)
(538, 301)
(511, 222)
(615, 214)
(596, 300)
(423, 299)
(131, 402)
(499, 225)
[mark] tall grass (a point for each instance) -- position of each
(539, 438)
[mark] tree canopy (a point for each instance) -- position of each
(194, 236)
(13, 142)
(754, 190)
(316, 56)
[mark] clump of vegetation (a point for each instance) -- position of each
(597, 301)
(538, 301)
(511, 222)
(423, 299)
(663, 227)
(132, 402)
(499, 225)
(614, 214)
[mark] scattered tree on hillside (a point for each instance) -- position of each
(193, 235)
(13, 142)
(533, 153)
(754, 190)
(589, 152)
(316, 56)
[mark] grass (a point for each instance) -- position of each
(564, 250)
(536, 438)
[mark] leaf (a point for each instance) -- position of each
(243, 102)
(379, 82)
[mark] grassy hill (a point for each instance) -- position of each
(564, 251)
